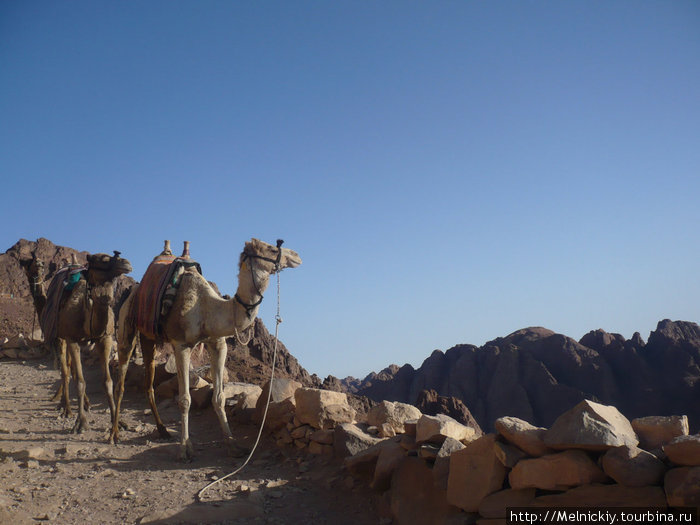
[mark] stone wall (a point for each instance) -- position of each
(435, 467)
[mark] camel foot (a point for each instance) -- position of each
(81, 425)
(65, 412)
(186, 452)
(163, 432)
(234, 450)
(113, 439)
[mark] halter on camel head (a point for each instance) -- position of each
(276, 261)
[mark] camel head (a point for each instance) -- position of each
(103, 267)
(34, 268)
(266, 256)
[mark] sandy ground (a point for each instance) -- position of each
(49, 475)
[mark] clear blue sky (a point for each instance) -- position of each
(449, 171)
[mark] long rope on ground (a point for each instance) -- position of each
(278, 320)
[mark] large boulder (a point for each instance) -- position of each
(475, 472)
(682, 486)
(435, 429)
(282, 389)
(527, 437)
(684, 450)
(556, 471)
(349, 439)
(322, 408)
(242, 395)
(393, 415)
(363, 464)
(655, 431)
(279, 414)
(633, 467)
(591, 426)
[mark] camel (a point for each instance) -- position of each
(86, 314)
(34, 270)
(200, 315)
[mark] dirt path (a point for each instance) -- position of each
(49, 475)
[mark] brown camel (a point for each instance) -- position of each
(34, 270)
(200, 315)
(85, 314)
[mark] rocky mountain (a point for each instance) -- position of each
(536, 374)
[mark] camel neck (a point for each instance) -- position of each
(252, 283)
(36, 289)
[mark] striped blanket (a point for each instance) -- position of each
(63, 281)
(159, 276)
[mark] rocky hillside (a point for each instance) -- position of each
(536, 374)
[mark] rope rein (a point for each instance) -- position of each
(251, 332)
(278, 320)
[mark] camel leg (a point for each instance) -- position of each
(104, 347)
(217, 357)
(81, 423)
(57, 365)
(87, 399)
(66, 367)
(59, 392)
(182, 360)
(148, 350)
(125, 347)
(65, 378)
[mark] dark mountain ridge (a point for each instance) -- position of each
(536, 374)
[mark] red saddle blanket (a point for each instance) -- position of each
(63, 280)
(159, 275)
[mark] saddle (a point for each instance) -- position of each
(62, 283)
(157, 291)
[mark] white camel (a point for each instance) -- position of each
(200, 315)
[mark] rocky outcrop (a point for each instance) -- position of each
(432, 404)
(252, 363)
(535, 374)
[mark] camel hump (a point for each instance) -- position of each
(157, 291)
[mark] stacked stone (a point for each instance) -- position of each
(591, 456)
(434, 469)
